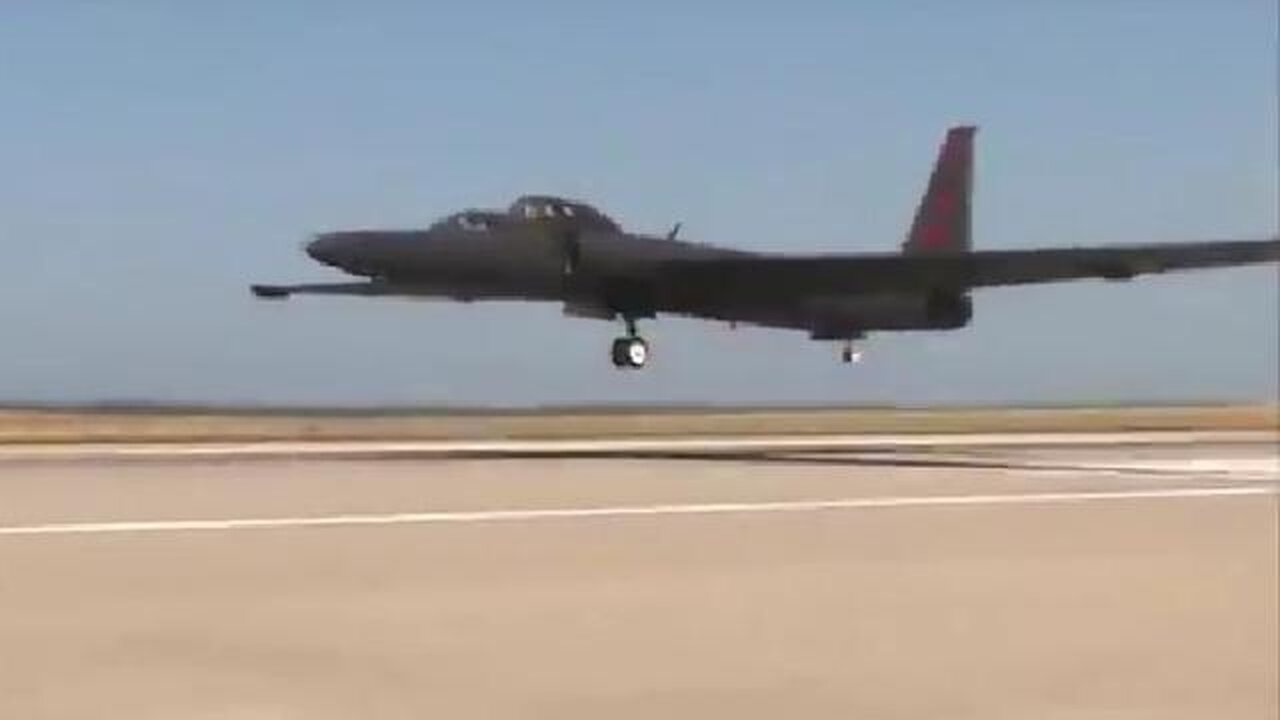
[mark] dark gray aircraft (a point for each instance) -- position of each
(546, 248)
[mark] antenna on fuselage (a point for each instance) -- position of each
(675, 230)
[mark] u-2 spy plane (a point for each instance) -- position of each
(545, 248)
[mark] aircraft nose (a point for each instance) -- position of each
(333, 249)
(353, 251)
(325, 248)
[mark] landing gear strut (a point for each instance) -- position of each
(630, 352)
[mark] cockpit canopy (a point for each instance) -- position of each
(525, 209)
(534, 207)
(473, 220)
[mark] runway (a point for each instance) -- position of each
(1123, 576)
(614, 447)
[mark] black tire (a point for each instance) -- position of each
(619, 353)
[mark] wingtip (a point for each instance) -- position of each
(269, 292)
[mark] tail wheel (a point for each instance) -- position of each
(849, 353)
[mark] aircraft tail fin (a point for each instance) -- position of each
(942, 221)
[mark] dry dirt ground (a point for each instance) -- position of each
(33, 425)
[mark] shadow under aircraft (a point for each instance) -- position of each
(545, 248)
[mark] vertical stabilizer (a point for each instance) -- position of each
(942, 222)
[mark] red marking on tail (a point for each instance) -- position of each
(942, 220)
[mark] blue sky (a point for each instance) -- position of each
(156, 158)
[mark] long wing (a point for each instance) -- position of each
(776, 277)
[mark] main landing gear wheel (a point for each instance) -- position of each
(630, 353)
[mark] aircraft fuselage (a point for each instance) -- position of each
(545, 248)
(587, 268)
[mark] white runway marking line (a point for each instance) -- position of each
(487, 516)
(1259, 468)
